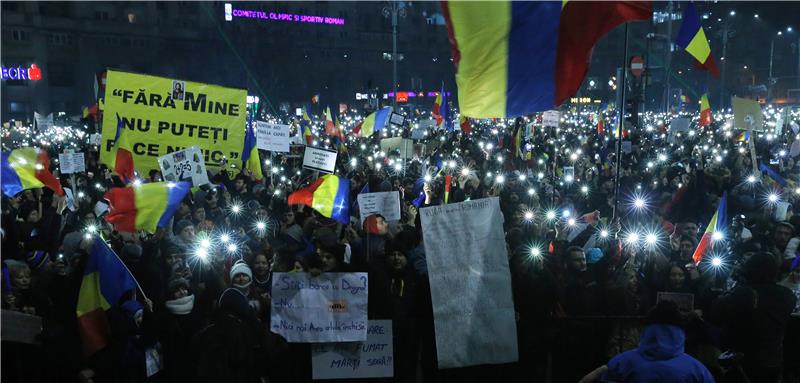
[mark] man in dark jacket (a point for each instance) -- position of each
(753, 317)
(660, 356)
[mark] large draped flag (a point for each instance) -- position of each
(717, 224)
(329, 195)
(145, 207)
(375, 122)
(305, 125)
(27, 168)
(250, 158)
(105, 281)
(516, 58)
(123, 161)
(705, 111)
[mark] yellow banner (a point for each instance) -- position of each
(162, 115)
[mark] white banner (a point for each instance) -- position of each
(272, 137)
(386, 204)
(373, 358)
(69, 163)
(551, 118)
(470, 283)
(329, 308)
(186, 164)
(319, 159)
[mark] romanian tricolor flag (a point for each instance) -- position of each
(27, 168)
(437, 107)
(330, 126)
(705, 111)
(329, 195)
(250, 158)
(692, 38)
(448, 180)
(515, 58)
(305, 124)
(145, 207)
(375, 122)
(743, 136)
(717, 224)
(601, 124)
(123, 161)
(105, 281)
(466, 124)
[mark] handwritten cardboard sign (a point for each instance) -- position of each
(70, 163)
(184, 165)
(272, 137)
(373, 358)
(319, 159)
(386, 204)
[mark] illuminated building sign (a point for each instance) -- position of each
(404, 96)
(33, 73)
(583, 100)
(231, 12)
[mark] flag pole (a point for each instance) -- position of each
(619, 127)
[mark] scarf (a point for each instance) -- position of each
(180, 306)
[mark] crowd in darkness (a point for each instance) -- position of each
(586, 271)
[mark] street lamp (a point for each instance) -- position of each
(395, 9)
(726, 33)
(771, 55)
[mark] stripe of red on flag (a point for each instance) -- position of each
(94, 331)
(122, 209)
(305, 196)
(44, 174)
(450, 35)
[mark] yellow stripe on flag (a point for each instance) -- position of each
(325, 195)
(90, 297)
(151, 202)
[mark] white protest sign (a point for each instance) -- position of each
(95, 139)
(319, 159)
(69, 163)
(386, 204)
(470, 283)
(329, 308)
(418, 133)
(679, 125)
(404, 146)
(272, 137)
(551, 118)
(373, 358)
(186, 164)
(43, 123)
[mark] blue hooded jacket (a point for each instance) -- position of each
(659, 358)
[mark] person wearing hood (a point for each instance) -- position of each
(178, 323)
(660, 356)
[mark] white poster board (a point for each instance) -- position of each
(404, 145)
(386, 204)
(184, 165)
(373, 358)
(551, 118)
(43, 123)
(331, 307)
(319, 159)
(473, 311)
(272, 137)
(69, 163)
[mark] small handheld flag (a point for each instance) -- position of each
(717, 224)
(27, 168)
(145, 207)
(329, 195)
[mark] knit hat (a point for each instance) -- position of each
(180, 225)
(240, 267)
(37, 259)
(131, 307)
(295, 232)
(176, 283)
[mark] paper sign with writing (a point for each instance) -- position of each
(684, 301)
(331, 307)
(43, 123)
(184, 165)
(373, 358)
(551, 118)
(69, 163)
(386, 204)
(319, 159)
(470, 283)
(404, 146)
(272, 137)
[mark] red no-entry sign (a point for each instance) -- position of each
(637, 66)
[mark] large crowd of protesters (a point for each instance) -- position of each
(587, 261)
